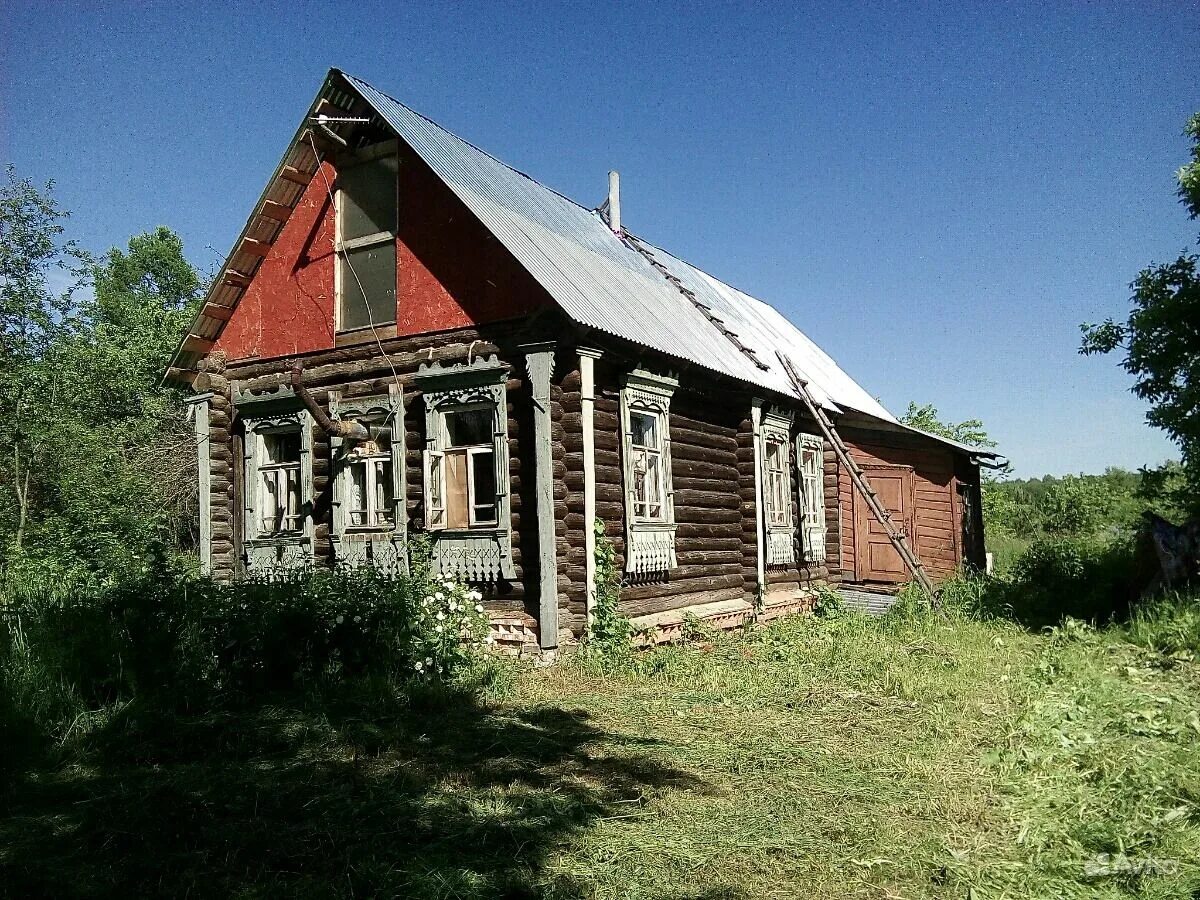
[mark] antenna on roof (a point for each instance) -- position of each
(325, 121)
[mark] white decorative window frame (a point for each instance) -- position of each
(278, 410)
(482, 553)
(812, 478)
(384, 548)
(649, 545)
(776, 428)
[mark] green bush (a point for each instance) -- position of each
(179, 641)
(1082, 578)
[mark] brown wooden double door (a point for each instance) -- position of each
(875, 558)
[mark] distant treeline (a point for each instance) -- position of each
(1083, 505)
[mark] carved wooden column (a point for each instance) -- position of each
(539, 363)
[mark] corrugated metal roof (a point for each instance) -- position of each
(605, 282)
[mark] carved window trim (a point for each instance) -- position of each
(810, 463)
(383, 546)
(476, 553)
(274, 412)
(775, 431)
(649, 543)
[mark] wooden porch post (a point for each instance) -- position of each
(539, 363)
(587, 391)
(198, 413)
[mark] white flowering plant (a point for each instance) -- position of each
(448, 623)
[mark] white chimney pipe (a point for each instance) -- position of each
(614, 202)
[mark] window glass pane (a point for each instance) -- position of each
(270, 501)
(654, 485)
(382, 500)
(368, 198)
(643, 430)
(469, 427)
(483, 483)
(281, 447)
(457, 500)
(292, 507)
(437, 496)
(373, 270)
(773, 455)
(356, 503)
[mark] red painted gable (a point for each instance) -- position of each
(450, 272)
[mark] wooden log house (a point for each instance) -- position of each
(521, 367)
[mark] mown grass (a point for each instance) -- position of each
(904, 757)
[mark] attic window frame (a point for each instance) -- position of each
(342, 248)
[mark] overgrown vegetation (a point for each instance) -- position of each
(913, 756)
(79, 651)
(97, 461)
(609, 632)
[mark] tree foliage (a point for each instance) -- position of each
(1161, 337)
(970, 431)
(96, 451)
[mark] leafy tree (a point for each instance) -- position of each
(1161, 338)
(926, 418)
(1074, 505)
(34, 315)
(99, 454)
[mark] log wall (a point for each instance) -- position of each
(363, 371)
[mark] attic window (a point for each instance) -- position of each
(366, 242)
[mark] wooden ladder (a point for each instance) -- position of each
(895, 535)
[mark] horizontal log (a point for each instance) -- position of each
(633, 593)
(650, 605)
(705, 500)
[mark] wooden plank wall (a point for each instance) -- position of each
(936, 515)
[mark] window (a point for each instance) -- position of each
(810, 450)
(775, 462)
(777, 493)
(279, 483)
(646, 460)
(467, 504)
(463, 474)
(369, 523)
(370, 500)
(646, 452)
(366, 243)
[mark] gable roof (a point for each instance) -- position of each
(618, 284)
(604, 282)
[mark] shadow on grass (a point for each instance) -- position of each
(358, 796)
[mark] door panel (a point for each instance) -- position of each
(876, 558)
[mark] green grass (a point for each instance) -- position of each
(907, 757)
(1006, 549)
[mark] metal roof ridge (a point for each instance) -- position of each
(359, 82)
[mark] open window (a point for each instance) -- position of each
(811, 454)
(277, 483)
(776, 461)
(467, 505)
(366, 238)
(646, 452)
(369, 525)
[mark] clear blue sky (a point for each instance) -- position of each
(938, 195)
